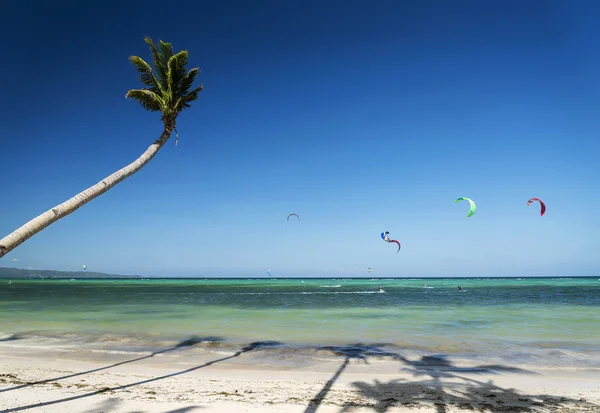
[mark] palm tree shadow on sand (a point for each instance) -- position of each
(12, 337)
(251, 347)
(354, 351)
(442, 385)
(183, 344)
(114, 405)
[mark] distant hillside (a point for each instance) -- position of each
(16, 273)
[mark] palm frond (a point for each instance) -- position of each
(160, 63)
(147, 77)
(176, 71)
(187, 81)
(149, 100)
(184, 101)
(166, 50)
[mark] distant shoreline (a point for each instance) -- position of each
(18, 273)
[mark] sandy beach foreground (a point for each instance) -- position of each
(184, 378)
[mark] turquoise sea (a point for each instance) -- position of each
(525, 320)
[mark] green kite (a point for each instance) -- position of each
(472, 210)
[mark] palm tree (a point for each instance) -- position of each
(169, 91)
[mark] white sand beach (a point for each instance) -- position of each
(41, 379)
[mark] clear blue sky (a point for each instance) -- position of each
(360, 116)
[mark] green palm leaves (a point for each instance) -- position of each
(169, 86)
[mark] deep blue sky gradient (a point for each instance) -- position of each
(360, 116)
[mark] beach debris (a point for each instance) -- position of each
(542, 205)
(472, 209)
(288, 217)
(386, 237)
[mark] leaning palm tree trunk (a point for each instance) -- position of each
(40, 222)
(169, 92)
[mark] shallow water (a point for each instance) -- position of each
(518, 319)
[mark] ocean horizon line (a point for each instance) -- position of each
(143, 278)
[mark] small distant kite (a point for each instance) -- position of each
(542, 205)
(369, 270)
(288, 217)
(269, 272)
(84, 267)
(386, 237)
(472, 210)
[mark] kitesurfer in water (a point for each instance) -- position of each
(460, 288)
